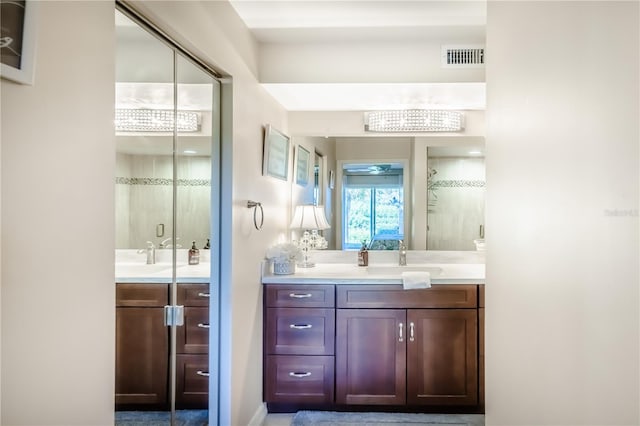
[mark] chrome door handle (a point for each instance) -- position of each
(202, 373)
(401, 338)
(299, 296)
(201, 325)
(411, 325)
(204, 294)
(299, 375)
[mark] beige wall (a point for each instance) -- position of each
(58, 155)
(562, 330)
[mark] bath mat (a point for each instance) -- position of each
(330, 418)
(161, 418)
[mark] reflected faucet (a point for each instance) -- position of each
(151, 253)
(402, 253)
(165, 243)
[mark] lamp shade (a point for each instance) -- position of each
(309, 217)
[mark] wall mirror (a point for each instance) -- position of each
(428, 191)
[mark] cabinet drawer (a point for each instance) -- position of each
(193, 336)
(300, 331)
(481, 296)
(299, 379)
(192, 382)
(140, 295)
(294, 296)
(193, 294)
(393, 296)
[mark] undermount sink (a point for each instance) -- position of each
(398, 269)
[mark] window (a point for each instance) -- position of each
(373, 209)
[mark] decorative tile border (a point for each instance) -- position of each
(458, 184)
(161, 181)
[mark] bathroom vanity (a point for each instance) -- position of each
(143, 340)
(338, 336)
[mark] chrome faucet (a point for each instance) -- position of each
(151, 253)
(166, 243)
(402, 253)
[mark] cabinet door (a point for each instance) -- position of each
(371, 356)
(442, 357)
(142, 347)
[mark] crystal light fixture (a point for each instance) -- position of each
(414, 120)
(155, 120)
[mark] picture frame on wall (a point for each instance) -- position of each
(18, 40)
(302, 166)
(275, 161)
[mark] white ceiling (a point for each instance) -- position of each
(302, 21)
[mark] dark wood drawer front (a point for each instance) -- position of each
(481, 296)
(299, 379)
(141, 295)
(193, 294)
(299, 296)
(393, 296)
(192, 384)
(300, 331)
(193, 336)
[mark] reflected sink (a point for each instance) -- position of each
(398, 270)
(140, 269)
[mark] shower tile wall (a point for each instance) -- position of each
(455, 203)
(144, 199)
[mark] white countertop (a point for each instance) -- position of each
(130, 267)
(444, 268)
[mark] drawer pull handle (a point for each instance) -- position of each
(202, 373)
(204, 294)
(300, 326)
(299, 296)
(299, 375)
(201, 325)
(400, 339)
(411, 325)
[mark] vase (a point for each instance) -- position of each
(284, 268)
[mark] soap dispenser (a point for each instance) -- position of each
(194, 255)
(363, 255)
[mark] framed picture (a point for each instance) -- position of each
(275, 162)
(18, 40)
(302, 166)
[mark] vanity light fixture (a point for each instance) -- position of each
(311, 219)
(414, 120)
(155, 120)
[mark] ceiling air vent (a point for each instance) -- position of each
(467, 56)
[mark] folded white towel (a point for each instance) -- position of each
(416, 279)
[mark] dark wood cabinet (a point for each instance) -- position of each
(142, 346)
(299, 344)
(442, 357)
(192, 347)
(371, 356)
(143, 351)
(421, 349)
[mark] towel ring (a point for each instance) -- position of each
(255, 205)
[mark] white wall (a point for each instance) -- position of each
(213, 30)
(58, 155)
(562, 330)
(371, 61)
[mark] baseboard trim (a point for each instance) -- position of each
(259, 416)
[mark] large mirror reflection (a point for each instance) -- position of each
(427, 191)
